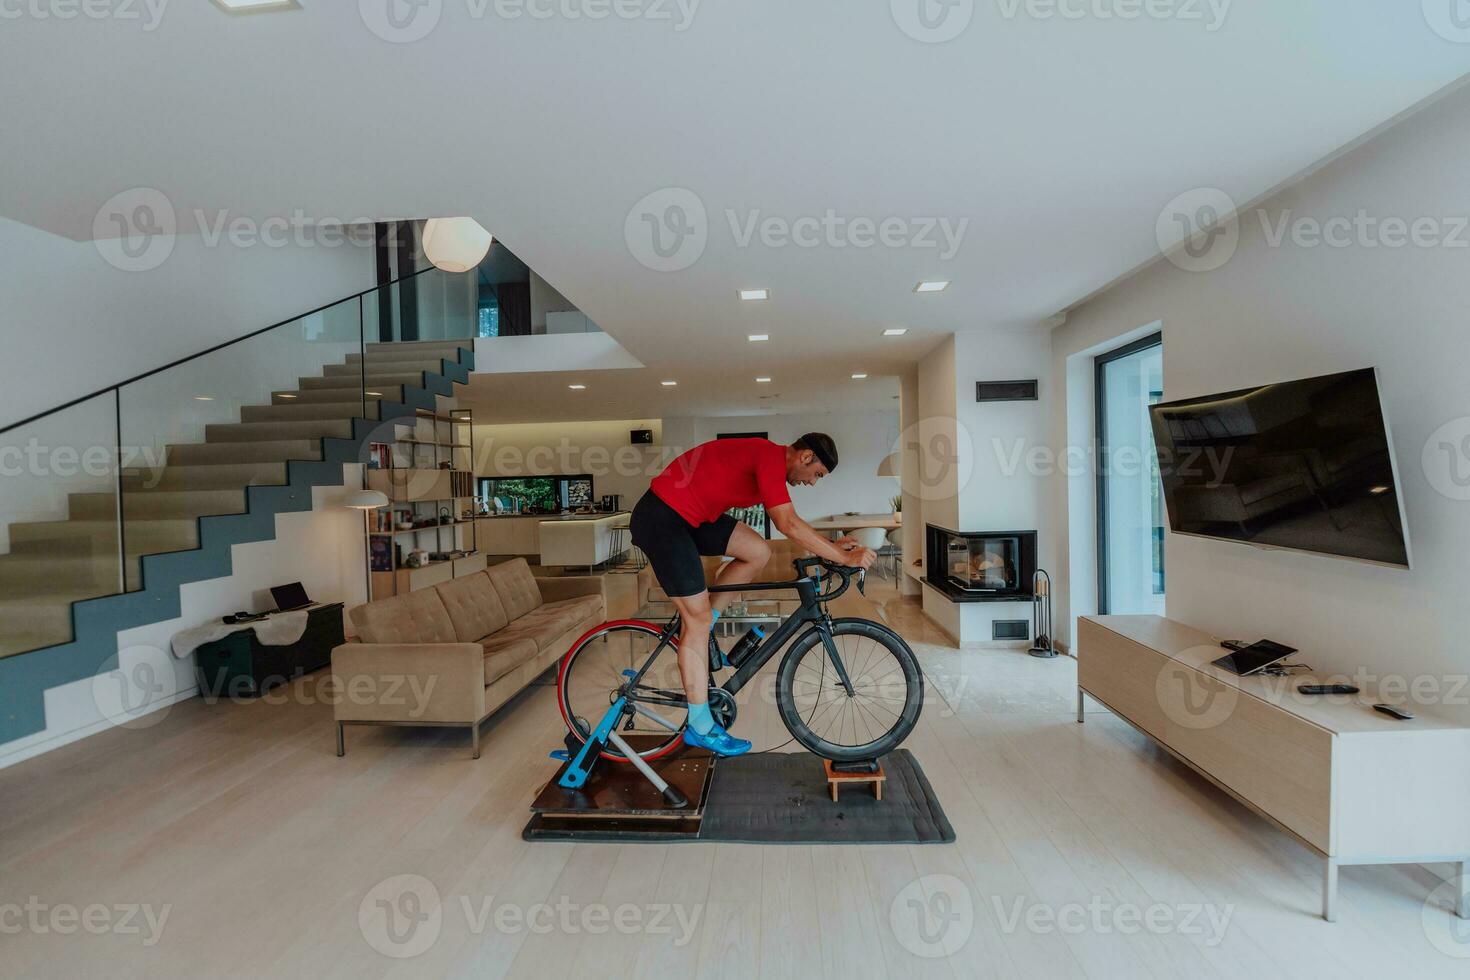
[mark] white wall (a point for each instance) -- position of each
(977, 469)
(545, 299)
(1274, 313)
(601, 448)
(72, 323)
(555, 352)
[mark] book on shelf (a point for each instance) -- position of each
(380, 554)
(380, 456)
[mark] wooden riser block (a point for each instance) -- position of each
(837, 779)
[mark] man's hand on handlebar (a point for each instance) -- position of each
(859, 557)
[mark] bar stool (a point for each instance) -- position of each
(619, 544)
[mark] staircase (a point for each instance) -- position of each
(62, 604)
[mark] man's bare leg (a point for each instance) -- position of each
(702, 730)
(694, 612)
(749, 553)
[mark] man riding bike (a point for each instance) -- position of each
(684, 516)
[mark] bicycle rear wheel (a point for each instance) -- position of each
(591, 677)
(888, 692)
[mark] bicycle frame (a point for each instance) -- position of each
(813, 612)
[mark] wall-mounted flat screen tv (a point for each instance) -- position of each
(1304, 465)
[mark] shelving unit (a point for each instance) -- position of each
(429, 481)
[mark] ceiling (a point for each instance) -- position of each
(1057, 140)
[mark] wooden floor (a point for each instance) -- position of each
(1082, 852)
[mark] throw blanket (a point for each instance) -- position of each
(280, 630)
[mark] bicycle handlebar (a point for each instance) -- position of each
(845, 572)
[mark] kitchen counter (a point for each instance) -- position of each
(520, 534)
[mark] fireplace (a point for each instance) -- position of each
(981, 566)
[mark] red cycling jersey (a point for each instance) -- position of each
(714, 477)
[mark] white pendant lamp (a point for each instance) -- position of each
(456, 244)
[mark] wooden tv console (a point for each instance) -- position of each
(1352, 784)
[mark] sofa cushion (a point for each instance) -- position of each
(415, 617)
(516, 587)
(474, 607)
(549, 628)
(565, 613)
(504, 654)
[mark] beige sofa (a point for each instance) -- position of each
(450, 655)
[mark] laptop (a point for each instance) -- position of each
(289, 597)
(1254, 658)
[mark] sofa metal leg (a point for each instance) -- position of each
(341, 740)
(475, 739)
(1329, 890)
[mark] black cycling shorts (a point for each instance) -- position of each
(674, 547)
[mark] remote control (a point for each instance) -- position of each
(1393, 712)
(1327, 689)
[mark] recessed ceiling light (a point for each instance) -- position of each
(204, 398)
(577, 387)
(374, 394)
(895, 331)
(256, 6)
(762, 381)
(932, 286)
(668, 384)
(859, 377)
(1379, 490)
(754, 294)
(756, 338)
(284, 395)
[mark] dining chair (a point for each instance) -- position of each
(871, 537)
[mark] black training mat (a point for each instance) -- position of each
(783, 798)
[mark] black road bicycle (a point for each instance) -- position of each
(848, 690)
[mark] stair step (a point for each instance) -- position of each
(407, 379)
(157, 504)
(392, 393)
(275, 451)
(36, 574)
(30, 624)
(386, 363)
(290, 411)
(99, 537)
(433, 365)
(276, 431)
(448, 348)
(222, 476)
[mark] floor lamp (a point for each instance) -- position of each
(366, 501)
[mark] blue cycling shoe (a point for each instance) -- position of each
(718, 741)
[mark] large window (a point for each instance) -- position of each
(1130, 508)
(541, 494)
